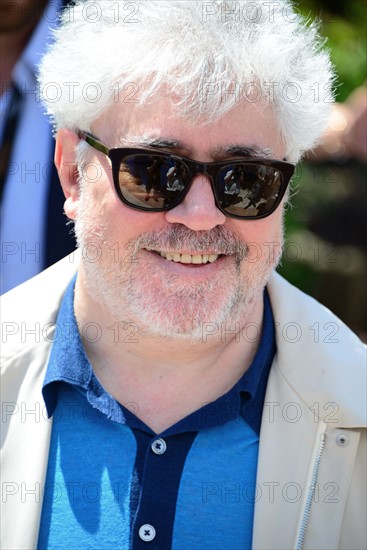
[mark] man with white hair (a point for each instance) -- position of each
(163, 387)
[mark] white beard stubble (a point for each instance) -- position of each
(170, 306)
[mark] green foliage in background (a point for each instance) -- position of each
(344, 24)
(320, 189)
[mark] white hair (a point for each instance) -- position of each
(207, 56)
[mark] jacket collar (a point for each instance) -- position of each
(312, 340)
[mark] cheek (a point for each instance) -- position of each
(119, 223)
(260, 232)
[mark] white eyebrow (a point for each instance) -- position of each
(237, 149)
(158, 143)
(144, 140)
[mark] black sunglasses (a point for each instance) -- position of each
(157, 182)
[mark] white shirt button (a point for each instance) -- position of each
(147, 532)
(342, 439)
(159, 446)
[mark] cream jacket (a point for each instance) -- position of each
(311, 480)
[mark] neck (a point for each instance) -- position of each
(165, 379)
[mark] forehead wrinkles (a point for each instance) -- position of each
(143, 123)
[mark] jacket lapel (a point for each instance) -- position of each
(304, 473)
(315, 394)
(25, 455)
(30, 320)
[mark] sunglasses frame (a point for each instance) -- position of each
(211, 169)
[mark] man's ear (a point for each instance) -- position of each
(65, 160)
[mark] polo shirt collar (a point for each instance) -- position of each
(69, 364)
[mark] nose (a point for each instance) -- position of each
(198, 210)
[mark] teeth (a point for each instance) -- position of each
(197, 259)
(190, 259)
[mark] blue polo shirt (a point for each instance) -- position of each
(112, 483)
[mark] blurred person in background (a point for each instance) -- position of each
(334, 213)
(164, 387)
(326, 246)
(346, 134)
(33, 230)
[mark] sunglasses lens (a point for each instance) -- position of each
(248, 190)
(159, 182)
(151, 182)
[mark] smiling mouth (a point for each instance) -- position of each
(197, 259)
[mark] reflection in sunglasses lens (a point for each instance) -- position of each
(150, 181)
(242, 189)
(248, 189)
